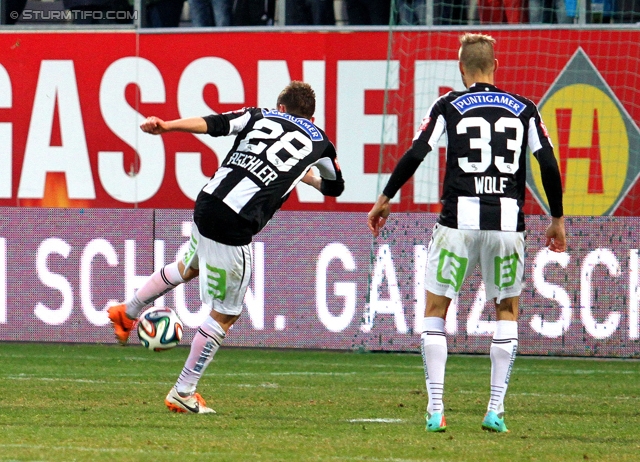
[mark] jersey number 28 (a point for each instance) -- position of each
(279, 142)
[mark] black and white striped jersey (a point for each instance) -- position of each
(487, 131)
(272, 152)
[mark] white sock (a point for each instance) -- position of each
(434, 359)
(158, 284)
(204, 346)
(503, 352)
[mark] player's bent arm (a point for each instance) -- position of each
(327, 187)
(551, 180)
(552, 184)
(331, 181)
(312, 179)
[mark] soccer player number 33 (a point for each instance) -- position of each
(483, 143)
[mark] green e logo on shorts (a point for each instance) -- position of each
(188, 255)
(456, 266)
(216, 282)
(506, 270)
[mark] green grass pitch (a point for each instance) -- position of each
(105, 403)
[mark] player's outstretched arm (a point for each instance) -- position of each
(157, 126)
(556, 235)
(378, 215)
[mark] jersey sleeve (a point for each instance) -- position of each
(542, 149)
(332, 182)
(229, 123)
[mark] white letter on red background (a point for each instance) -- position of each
(56, 83)
(356, 129)
(6, 137)
(191, 103)
(120, 181)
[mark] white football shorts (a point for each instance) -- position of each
(225, 272)
(453, 254)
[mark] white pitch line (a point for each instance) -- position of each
(555, 395)
(375, 420)
(551, 393)
(163, 452)
(575, 371)
(159, 451)
(219, 374)
(260, 385)
(155, 357)
(111, 382)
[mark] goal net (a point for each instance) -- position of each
(583, 79)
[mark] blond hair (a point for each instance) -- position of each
(476, 53)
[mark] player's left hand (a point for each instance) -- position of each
(556, 235)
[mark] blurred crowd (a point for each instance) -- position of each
(226, 13)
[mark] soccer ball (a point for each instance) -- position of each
(159, 329)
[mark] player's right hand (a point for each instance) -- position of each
(375, 223)
(378, 215)
(154, 125)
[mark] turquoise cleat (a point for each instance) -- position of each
(435, 422)
(494, 422)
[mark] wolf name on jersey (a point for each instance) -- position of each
(487, 131)
(272, 152)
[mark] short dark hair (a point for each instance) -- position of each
(299, 99)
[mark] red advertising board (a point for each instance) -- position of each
(71, 104)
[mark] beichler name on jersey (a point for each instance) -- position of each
(470, 101)
(255, 165)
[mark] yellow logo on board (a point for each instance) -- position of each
(591, 144)
(592, 137)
